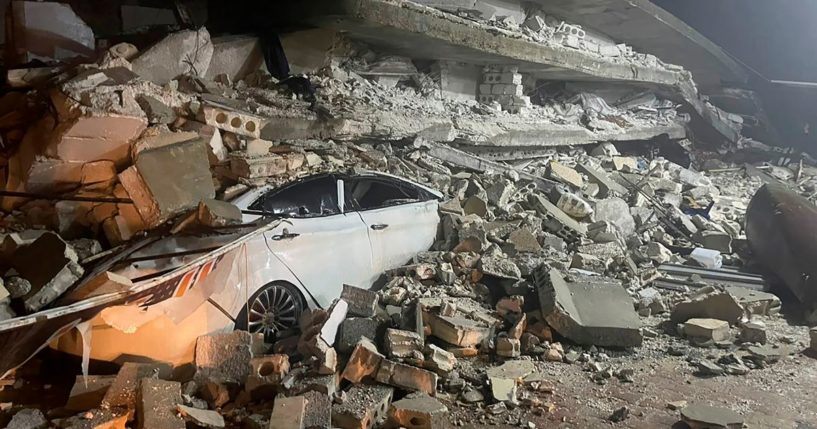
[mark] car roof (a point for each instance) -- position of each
(336, 174)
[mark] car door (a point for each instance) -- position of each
(323, 247)
(401, 218)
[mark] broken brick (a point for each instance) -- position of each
(364, 362)
(458, 331)
(418, 411)
(403, 344)
(364, 406)
(406, 377)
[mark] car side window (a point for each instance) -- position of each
(310, 198)
(371, 193)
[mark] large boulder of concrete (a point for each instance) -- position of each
(168, 180)
(183, 52)
(235, 57)
(710, 305)
(617, 212)
(590, 310)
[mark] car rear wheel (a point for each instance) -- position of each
(273, 310)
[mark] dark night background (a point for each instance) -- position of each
(778, 39)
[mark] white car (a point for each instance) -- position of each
(335, 229)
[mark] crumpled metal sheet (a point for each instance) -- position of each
(21, 338)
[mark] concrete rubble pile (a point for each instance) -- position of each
(573, 255)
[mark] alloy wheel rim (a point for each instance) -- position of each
(273, 311)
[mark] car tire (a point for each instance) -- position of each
(273, 310)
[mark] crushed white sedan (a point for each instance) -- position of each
(295, 249)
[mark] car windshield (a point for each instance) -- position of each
(309, 198)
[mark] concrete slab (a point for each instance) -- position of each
(592, 311)
(705, 416)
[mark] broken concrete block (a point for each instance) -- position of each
(403, 344)
(523, 241)
(267, 370)
(439, 359)
(50, 265)
(288, 413)
(617, 212)
(500, 193)
(557, 221)
(150, 141)
(499, 266)
(716, 240)
(365, 361)
(329, 329)
(658, 253)
(124, 390)
(216, 213)
(28, 418)
(203, 418)
(753, 332)
(364, 406)
(224, 356)
(564, 174)
(47, 32)
(574, 205)
(457, 331)
(122, 50)
(625, 163)
(241, 123)
(504, 389)
(418, 411)
(156, 406)
(719, 305)
(234, 56)
(318, 411)
(755, 301)
(708, 329)
(475, 205)
(184, 166)
(156, 111)
(88, 391)
(362, 302)
(607, 186)
(406, 377)
(180, 53)
(352, 329)
(256, 167)
(95, 137)
(699, 416)
(588, 311)
(508, 347)
(258, 147)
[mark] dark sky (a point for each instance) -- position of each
(776, 37)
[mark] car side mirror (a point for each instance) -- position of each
(341, 196)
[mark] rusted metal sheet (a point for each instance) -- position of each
(782, 230)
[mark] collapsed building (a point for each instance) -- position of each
(594, 190)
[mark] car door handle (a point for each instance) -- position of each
(285, 236)
(379, 226)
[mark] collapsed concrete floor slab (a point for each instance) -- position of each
(418, 31)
